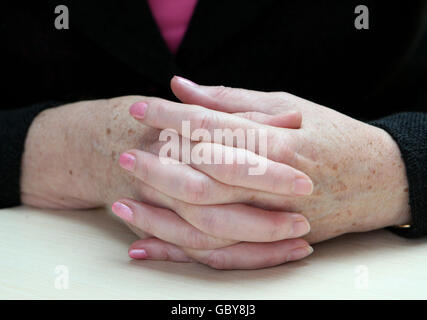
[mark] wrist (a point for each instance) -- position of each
(400, 193)
(56, 167)
(390, 196)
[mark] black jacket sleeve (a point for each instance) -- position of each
(14, 125)
(409, 130)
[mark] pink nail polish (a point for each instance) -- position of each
(302, 187)
(186, 81)
(127, 161)
(122, 211)
(137, 110)
(138, 254)
(299, 253)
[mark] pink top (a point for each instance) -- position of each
(172, 17)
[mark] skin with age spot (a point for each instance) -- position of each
(98, 180)
(356, 168)
(326, 138)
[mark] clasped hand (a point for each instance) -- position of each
(321, 169)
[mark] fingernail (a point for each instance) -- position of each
(302, 187)
(127, 161)
(186, 81)
(299, 253)
(300, 226)
(123, 211)
(137, 110)
(138, 254)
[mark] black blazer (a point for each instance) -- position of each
(308, 48)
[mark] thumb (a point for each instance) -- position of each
(220, 98)
(252, 105)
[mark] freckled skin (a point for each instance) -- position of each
(365, 180)
(96, 179)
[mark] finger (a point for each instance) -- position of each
(236, 167)
(237, 222)
(187, 119)
(228, 165)
(233, 99)
(165, 224)
(245, 255)
(240, 167)
(242, 255)
(241, 222)
(156, 249)
(178, 180)
(290, 120)
(277, 144)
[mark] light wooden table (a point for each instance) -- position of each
(83, 254)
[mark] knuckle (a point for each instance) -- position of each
(289, 155)
(196, 189)
(143, 223)
(221, 92)
(201, 120)
(217, 260)
(205, 121)
(230, 171)
(197, 240)
(252, 116)
(280, 227)
(276, 177)
(210, 223)
(280, 97)
(164, 254)
(123, 101)
(285, 150)
(142, 169)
